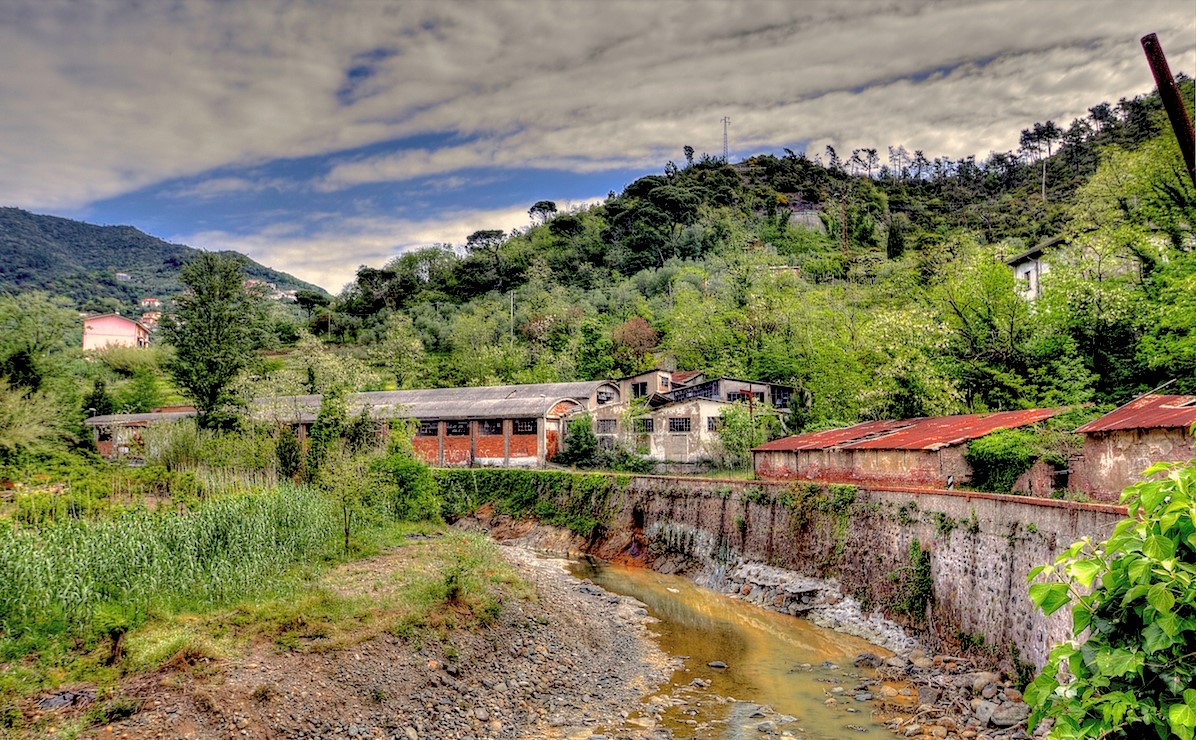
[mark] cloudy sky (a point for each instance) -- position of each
(317, 136)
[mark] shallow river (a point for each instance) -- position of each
(772, 659)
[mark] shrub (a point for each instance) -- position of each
(998, 459)
(1134, 675)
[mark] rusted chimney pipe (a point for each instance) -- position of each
(1169, 92)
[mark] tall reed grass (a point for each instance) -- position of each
(56, 578)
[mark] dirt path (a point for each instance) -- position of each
(569, 664)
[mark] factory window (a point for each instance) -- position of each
(678, 423)
(456, 429)
(608, 426)
(526, 426)
(427, 428)
(491, 427)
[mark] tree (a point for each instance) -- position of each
(633, 342)
(542, 211)
(310, 300)
(1135, 596)
(488, 242)
(689, 155)
(211, 337)
(400, 350)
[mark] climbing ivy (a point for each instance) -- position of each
(1135, 674)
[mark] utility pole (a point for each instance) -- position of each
(726, 125)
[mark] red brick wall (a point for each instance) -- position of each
(552, 443)
(428, 449)
(490, 446)
(457, 451)
(523, 445)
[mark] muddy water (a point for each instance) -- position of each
(778, 661)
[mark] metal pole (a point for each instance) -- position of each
(1169, 92)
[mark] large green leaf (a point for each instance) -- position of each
(1158, 547)
(1085, 571)
(1160, 598)
(1049, 597)
(1182, 719)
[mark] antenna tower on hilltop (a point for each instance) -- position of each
(726, 125)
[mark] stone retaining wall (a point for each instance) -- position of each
(981, 546)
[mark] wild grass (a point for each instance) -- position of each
(87, 577)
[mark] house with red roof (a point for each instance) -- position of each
(1121, 444)
(924, 452)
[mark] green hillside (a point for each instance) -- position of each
(874, 281)
(81, 261)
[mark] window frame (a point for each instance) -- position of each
(676, 422)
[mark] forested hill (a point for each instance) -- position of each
(873, 280)
(81, 261)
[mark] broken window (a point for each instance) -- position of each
(639, 390)
(713, 423)
(526, 426)
(456, 429)
(427, 429)
(490, 427)
(678, 423)
(605, 397)
(645, 426)
(608, 426)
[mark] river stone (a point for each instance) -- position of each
(984, 710)
(867, 660)
(928, 694)
(982, 679)
(716, 664)
(1010, 715)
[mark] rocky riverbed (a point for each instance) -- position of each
(573, 662)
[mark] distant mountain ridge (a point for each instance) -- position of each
(82, 261)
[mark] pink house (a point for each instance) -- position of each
(113, 330)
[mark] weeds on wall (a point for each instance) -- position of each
(914, 584)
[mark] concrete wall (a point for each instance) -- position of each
(981, 545)
(1113, 460)
(661, 445)
(920, 468)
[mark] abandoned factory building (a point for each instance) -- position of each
(1121, 444)
(508, 425)
(923, 452)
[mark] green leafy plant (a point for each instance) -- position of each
(1135, 597)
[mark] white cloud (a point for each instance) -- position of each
(99, 99)
(327, 249)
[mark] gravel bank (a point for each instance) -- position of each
(573, 663)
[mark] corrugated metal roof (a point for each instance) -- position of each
(682, 377)
(1147, 412)
(496, 401)
(928, 433)
(136, 419)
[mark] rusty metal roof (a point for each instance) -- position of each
(1147, 412)
(927, 433)
(681, 377)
